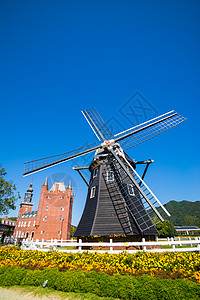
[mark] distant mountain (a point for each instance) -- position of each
(184, 213)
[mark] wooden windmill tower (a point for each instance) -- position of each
(118, 201)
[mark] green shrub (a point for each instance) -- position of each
(144, 287)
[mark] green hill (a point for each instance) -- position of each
(184, 213)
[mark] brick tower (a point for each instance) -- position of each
(54, 212)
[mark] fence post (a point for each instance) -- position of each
(80, 247)
(190, 240)
(41, 245)
(173, 246)
(179, 240)
(144, 247)
(55, 244)
(111, 248)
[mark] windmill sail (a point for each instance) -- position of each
(47, 162)
(97, 124)
(146, 131)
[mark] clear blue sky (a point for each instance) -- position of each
(60, 57)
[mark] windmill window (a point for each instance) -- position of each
(110, 176)
(19, 224)
(45, 218)
(92, 194)
(95, 173)
(61, 207)
(34, 223)
(60, 218)
(47, 207)
(59, 232)
(29, 223)
(131, 190)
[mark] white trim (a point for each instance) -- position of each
(130, 189)
(109, 177)
(92, 192)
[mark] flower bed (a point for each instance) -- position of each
(184, 265)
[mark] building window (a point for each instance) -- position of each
(24, 224)
(26, 208)
(110, 176)
(92, 194)
(60, 197)
(19, 224)
(131, 190)
(45, 218)
(49, 197)
(34, 223)
(42, 232)
(47, 207)
(59, 232)
(95, 173)
(60, 218)
(61, 207)
(29, 223)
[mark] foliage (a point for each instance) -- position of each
(13, 218)
(101, 284)
(8, 197)
(184, 213)
(165, 229)
(185, 265)
(72, 230)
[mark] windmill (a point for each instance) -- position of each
(118, 202)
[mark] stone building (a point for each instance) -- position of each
(52, 220)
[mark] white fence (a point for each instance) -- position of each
(160, 245)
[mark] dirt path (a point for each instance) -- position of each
(16, 293)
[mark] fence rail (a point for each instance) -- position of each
(160, 245)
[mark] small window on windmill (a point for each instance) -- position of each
(95, 173)
(92, 194)
(110, 176)
(47, 207)
(45, 218)
(61, 208)
(60, 218)
(131, 190)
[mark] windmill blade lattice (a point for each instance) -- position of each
(43, 163)
(148, 130)
(96, 122)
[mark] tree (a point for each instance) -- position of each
(165, 229)
(72, 230)
(8, 195)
